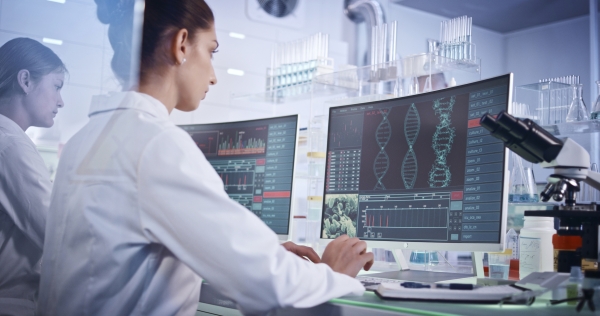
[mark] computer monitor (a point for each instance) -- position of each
(419, 172)
(255, 160)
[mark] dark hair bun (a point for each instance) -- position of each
(118, 14)
(110, 11)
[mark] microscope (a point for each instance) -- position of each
(571, 164)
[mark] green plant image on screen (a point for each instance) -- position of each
(341, 213)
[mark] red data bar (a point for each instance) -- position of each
(277, 194)
(456, 195)
(475, 122)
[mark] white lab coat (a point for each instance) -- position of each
(138, 214)
(24, 199)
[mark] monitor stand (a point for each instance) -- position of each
(429, 276)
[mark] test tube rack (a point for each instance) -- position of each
(383, 52)
(296, 63)
(455, 39)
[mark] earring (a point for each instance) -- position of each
(183, 61)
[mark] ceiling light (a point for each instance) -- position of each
(58, 1)
(237, 35)
(52, 41)
(235, 72)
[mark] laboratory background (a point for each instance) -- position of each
(300, 59)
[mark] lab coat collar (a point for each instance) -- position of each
(10, 125)
(128, 100)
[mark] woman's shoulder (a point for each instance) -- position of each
(17, 147)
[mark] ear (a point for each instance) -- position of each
(24, 79)
(179, 46)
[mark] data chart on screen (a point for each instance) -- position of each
(418, 168)
(255, 161)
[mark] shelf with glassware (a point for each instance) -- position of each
(557, 105)
(407, 76)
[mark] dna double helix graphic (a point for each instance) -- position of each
(412, 125)
(382, 160)
(443, 138)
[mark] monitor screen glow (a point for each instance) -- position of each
(419, 172)
(255, 160)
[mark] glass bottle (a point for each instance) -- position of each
(577, 110)
(596, 108)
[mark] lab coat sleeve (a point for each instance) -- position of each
(184, 207)
(25, 189)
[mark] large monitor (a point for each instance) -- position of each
(419, 172)
(255, 160)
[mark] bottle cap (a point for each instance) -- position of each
(576, 273)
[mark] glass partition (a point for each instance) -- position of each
(79, 32)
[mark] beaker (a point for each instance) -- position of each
(596, 108)
(522, 183)
(498, 263)
(577, 110)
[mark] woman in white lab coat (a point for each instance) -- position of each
(31, 77)
(138, 214)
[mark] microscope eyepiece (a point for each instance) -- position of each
(523, 136)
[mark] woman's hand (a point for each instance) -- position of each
(302, 251)
(348, 255)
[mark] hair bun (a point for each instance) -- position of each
(109, 11)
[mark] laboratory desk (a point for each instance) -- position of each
(213, 303)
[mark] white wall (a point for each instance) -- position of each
(252, 54)
(415, 27)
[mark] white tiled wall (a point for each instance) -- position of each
(87, 53)
(252, 54)
(69, 21)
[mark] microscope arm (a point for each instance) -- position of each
(571, 156)
(572, 161)
(593, 180)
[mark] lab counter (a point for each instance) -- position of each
(213, 303)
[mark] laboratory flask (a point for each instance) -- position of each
(577, 110)
(596, 108)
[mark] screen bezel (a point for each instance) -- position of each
(282, 237)
(446, 246)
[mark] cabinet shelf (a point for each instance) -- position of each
(565, 129)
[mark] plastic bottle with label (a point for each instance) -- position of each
(535, 245)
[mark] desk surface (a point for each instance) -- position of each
(211, 302)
